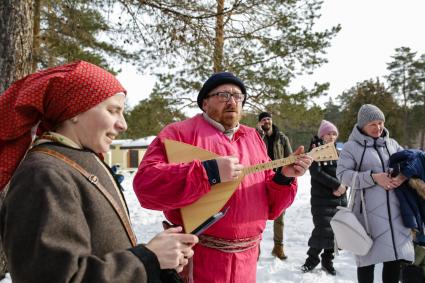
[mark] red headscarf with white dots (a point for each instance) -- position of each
(48, 97)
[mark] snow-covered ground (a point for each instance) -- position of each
(298, 226)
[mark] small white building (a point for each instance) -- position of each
(128, 153)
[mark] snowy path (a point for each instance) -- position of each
(298, 226)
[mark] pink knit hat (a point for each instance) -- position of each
(326, 127)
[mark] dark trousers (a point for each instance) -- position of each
(313, 256)
(390, 272)
(412, 274)
(278, 229)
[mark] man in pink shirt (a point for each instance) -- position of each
(228, 250)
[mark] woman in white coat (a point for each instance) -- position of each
(367, 151)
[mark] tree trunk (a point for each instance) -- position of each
(16, 32)
(219, 37)
(36, 36)
(15, 57)
(405, 140)
(422, 143)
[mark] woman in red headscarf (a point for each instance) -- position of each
(64, 218)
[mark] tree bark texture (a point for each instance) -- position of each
(36, 35)
(422, 141)
(16, 40)
(219, 37)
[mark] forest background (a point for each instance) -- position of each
(269, 44)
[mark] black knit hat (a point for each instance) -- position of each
(263, 115)
(216, 80)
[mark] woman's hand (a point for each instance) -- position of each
(172, 248)
(340, 191)
(385, 181)
(398, 180)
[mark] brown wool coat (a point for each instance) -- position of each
(57, 227)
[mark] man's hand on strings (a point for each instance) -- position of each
(300, 166)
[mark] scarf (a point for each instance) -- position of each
(44, 100)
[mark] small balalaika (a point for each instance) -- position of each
(196, 213)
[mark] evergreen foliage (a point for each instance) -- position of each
(70, 30)
(418, 99)
(266, 43)
(149, 117)
(293, 116)
(332, 112)
(416, 126)
(401, 82)
(368, 92)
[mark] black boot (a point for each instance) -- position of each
(309, 265)
(328, 267)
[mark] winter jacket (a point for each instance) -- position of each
(323, 201)
(411, 164)
(168, 186)
(412, 207)
(362, 153)
(57, 227)
(281, 145)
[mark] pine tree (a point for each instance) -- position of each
(332, 112)
(151, 115)
(15, 59)
(297, 120)
(369, 92)
(418, 97)
(266, 43)
(15, 41)
(70, 30)
(401, 83)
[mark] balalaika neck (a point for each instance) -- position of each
(269, 165)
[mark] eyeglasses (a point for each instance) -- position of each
(225, 96)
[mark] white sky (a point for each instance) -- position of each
(371, 30)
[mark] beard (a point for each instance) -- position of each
(230, 122)
(266, 128)
(229, 117)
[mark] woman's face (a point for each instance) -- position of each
(374, 128)
(99, 126)
(330, 137)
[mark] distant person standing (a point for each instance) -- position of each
(327, 193)
(278, 147)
